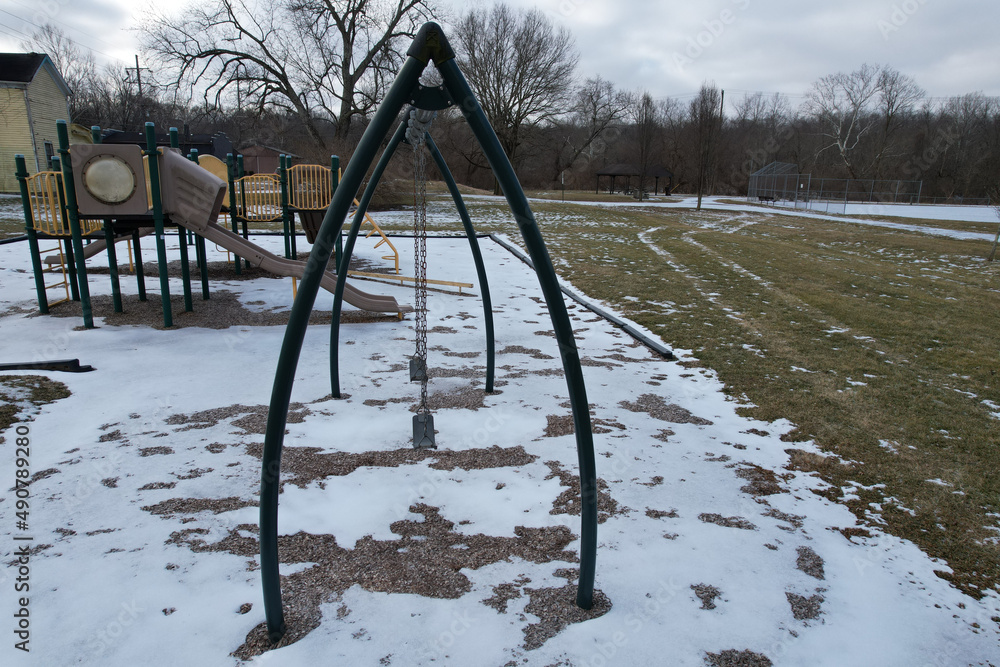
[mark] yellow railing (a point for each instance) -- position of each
(47, 215)
(409, 279)
(258, 197)
(309, 187)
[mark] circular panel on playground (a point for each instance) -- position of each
(109, 179)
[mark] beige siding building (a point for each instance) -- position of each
(33, 96)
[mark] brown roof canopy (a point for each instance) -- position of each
(620, 169)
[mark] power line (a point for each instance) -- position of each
(74, 29)
(8, 31)
(11, 30)
(27, 36)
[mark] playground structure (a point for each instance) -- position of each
(429, 45)
(111, 193)
(122, 189)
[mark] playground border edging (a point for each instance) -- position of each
(654, 345)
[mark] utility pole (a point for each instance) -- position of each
(711, 176)
(138, 75)
(138, 79)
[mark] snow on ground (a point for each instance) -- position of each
(926, 212)
(146, 479)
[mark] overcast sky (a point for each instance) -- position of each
(669, 47)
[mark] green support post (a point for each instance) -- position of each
(241, 172)
(74, 283)
(116, 289)
(233, 210)
(21, 171)
(161, 240)
(67, 242)
(335, 181)
(477, 256)
(193, 156)
(291, 218)
(283, 184)
(465, 99)
(201, 253)
(109, 237)
(140, 273)
(62, 130)
(175, 139)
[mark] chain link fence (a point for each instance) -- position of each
(781, 182)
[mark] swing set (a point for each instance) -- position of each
(422, 101)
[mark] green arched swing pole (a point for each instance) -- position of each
(466, 100)
(429, 44)
(344, 256)
(348, 251)
(477, 256)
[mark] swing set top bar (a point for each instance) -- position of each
(430, 44)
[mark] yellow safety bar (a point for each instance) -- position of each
(394, 257)
(310, 189)
(409, 279)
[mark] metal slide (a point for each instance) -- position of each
(291, 268)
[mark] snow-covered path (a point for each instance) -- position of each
(951, 213)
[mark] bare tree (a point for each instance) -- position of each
(859, 114)
(76, 65)
(596, 112)
(898, 96)
(520, 67)
(758, 131)
(675, 151)
(318, 59)
(842, 103)
(706, 115)
(645, 125)
(965, 154)
(361, 47)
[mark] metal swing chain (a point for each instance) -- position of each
(416, 138)
(420, 255)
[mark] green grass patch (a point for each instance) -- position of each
(22, 395)
(11, 217)
(879, 345)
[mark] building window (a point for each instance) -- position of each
(49, 152)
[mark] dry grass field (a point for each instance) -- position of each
(880, 345)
